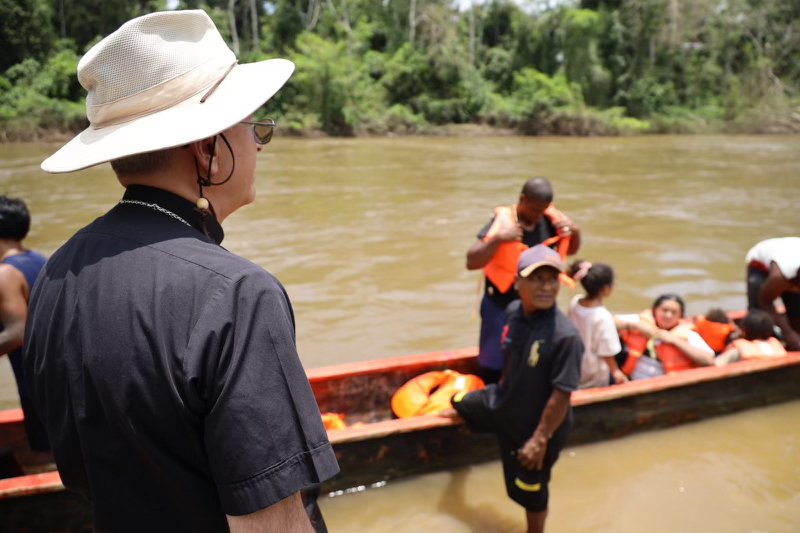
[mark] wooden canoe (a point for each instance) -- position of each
(376, 448)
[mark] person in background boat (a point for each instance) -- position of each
(596, 324)
(717, 329)
(19, 269)
(661, 341)
(773, 271)
(533, 220)
(165, 366)
(758, 340)
(529, 409)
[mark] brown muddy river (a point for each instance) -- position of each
(369, 237)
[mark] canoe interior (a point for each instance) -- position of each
(363, 391)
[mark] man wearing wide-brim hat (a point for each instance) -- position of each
(165, 366)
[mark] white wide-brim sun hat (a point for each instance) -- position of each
(163, 80)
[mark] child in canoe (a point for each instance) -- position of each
(596, 324)
(758, 340)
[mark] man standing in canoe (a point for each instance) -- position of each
(533, 220)
(19, 269)
(529, 409)
(773, 271)
(165, 366)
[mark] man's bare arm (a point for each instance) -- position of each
(287, 515)
(481, 252)
(532, 453)
(13, 308)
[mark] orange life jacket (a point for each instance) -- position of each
(502, 268)
(714, 333)
(771, 347)
(673, 359)
(431, 392)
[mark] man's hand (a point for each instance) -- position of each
(531, 455)
(510, 234)
(565, 227)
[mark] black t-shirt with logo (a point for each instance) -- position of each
(541, 351)
(540, 233)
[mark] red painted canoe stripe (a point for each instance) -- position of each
(11, 416)
(32, 484)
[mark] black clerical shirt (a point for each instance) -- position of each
(166, 371)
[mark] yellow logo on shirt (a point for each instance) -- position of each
(533, 358)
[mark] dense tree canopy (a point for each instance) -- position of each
(375, 66)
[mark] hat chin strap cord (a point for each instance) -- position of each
(203, 205)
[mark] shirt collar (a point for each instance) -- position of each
(207, 225)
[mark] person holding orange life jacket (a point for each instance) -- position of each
(512, 229)
(758, 340)
(663, 342)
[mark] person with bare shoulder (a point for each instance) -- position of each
(511, 230)
(164, 366)
(19, 269)
(773, 272)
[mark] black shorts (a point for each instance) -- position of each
(756, 279)
(529, 488)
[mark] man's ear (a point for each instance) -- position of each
(516, 284)
(205, 153)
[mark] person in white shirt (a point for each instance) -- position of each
(596, 325)
(773, 271)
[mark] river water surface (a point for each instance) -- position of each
(369, 237)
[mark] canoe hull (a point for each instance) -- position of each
(376, 448)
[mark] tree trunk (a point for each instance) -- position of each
(412, 21)
(254, 26)
(312, 16)
(472, 34)
(232, 22)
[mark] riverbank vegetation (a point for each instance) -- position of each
(418, 66)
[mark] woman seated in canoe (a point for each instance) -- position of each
(758, 340)
(662, 341)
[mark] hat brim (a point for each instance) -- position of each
(528, 270)
(243, 91)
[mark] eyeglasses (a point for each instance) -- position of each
(262, 131)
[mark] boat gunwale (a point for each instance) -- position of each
(583, 397)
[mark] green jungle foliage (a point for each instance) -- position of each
(410, 66)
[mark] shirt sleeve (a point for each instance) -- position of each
(565, 373)
(607, 337)
(262, 428)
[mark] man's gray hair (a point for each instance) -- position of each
(136, 164)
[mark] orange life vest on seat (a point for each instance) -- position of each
(714, 333)
(431, 392)
(672, 358)
(771, 347)
(502, 268)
